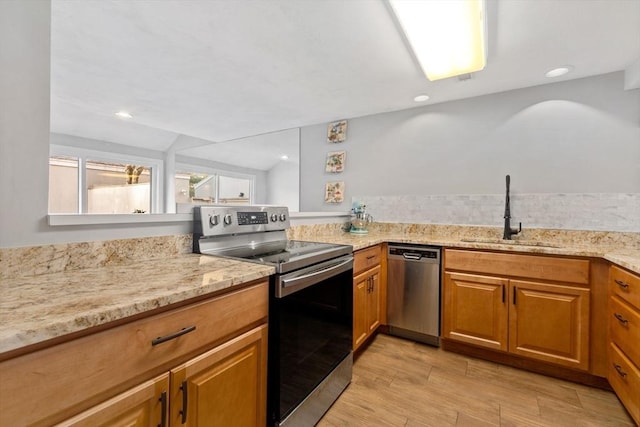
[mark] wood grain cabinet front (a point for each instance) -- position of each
(110, 370)
(624, 338)
(146, 405)
(544, 319)
(369, 290)
(366, 314)
(225, 386)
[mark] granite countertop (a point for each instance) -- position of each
(627, 258)
(40, 307)
(37, 308)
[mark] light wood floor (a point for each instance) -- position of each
(401, 383)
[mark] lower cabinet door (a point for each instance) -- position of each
(143, 406)
(373, 301)
(476, 310)
(225, 386)
(361, 285)
(550, 323)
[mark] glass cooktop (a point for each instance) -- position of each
(294, 254)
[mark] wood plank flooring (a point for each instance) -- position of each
(401, 383)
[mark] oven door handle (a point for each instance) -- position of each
(294, 282)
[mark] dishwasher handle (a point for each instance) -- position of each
(412, 257)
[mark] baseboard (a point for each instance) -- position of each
(526, 364)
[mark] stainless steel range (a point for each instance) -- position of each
(310, 306)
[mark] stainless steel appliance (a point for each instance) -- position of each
(413, 292)
(310, 306)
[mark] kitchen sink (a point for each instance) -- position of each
(533, 243)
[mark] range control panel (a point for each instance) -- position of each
(222, 220)
(252, 218)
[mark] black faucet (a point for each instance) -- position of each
(508, 231)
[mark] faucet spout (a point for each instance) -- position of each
(508, 231)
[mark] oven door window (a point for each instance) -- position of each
(314, 328)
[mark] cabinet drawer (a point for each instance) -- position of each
(624, 377)
(529, 266)
(625, 284)
(624, 325)
(366, 258)
(75, 375)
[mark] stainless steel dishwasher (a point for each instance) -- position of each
(413, 292)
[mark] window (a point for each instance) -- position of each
(116, 188)
(213, 187)
(83, 181)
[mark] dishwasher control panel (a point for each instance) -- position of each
(415, 253)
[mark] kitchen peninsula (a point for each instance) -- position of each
(73, 303)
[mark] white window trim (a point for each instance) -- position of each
(181, 167)
(84, 154)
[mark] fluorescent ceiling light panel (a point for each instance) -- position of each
(447, 36)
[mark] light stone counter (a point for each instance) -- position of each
(41, 307)
(52, 290)
(619, 248)
(627, 258)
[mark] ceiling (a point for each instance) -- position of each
(218, 70)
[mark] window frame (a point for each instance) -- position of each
(181, 167)
(83, 155)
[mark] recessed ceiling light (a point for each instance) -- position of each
(421, 98)
(557, 72)
(284, 157)
(124, 115)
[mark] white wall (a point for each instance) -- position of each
(24, 136)
(24, 121)
(283, 185)
(579, 136)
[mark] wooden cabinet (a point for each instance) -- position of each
(117, 376)
(624, 338)
(550, 323)
(143, 406)
(366, 298)
(545, 319)
(225, 386)
(476, 310)
(368, 289)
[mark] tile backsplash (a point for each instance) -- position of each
(569, 211)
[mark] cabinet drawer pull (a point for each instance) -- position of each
(619, 370)
(620, 318)
(169, 337)
(622, 284)
(183, 411)
(371, 257)
(163, 406)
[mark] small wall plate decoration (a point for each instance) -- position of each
(335, 161)
(334, 192)
(337, 131)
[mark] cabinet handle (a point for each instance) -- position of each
(618, 369)
(163, 406)
(515, 292)
(183, 411)
(503, 294)
(620, 318)
(371, 257)
(169, 337)
(622, 284)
